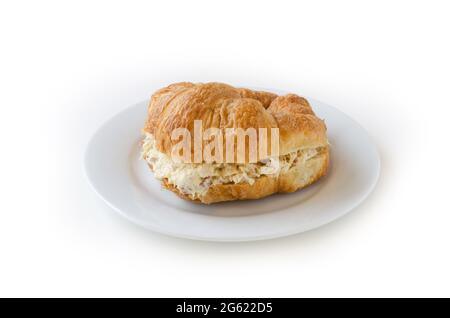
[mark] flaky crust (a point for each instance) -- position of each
(223, 106)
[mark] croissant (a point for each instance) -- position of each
(301, 144)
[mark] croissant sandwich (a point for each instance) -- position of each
(213, 142)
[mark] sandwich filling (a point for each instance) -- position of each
(194, 179)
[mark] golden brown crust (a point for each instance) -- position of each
(264, 97)
(222, 106)
(299, 126)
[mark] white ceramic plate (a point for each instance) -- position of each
(124, 181)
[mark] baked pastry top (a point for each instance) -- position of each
(303, 146)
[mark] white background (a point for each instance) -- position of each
(65, 67)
